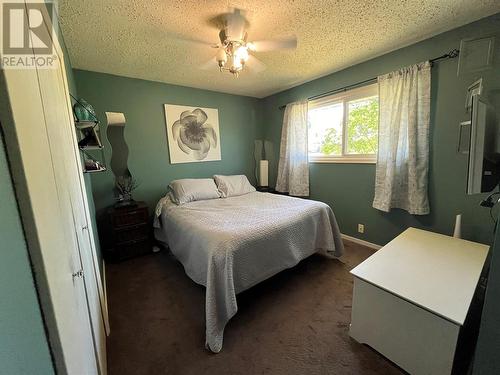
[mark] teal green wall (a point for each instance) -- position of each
(23, 346)
(349, 188)
(145, 132)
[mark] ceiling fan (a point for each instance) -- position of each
(234, 50)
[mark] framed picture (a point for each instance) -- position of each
(192, 133)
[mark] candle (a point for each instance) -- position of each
(263, 173)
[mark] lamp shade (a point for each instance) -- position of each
(221, 55)
(263, 173)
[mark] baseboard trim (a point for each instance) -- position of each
(371, 245)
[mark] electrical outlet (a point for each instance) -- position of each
(361, 228)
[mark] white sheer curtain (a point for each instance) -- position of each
(293, 167)
(403, 150)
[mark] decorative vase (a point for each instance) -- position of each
(125, 200)
(84, 111)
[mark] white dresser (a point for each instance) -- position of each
(412, 296)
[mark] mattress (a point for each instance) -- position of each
(230, 244)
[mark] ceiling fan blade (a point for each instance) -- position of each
(273, 45)
(210, 65)
(255, 65)
(197, 42)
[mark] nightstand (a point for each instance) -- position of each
(127, 232)
(265, 189)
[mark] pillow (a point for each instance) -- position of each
(193, 189)
(230, 186)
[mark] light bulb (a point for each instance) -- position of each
(242, 53)
(236, 63)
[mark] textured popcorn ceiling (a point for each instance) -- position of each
(149, 39)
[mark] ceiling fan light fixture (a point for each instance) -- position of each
(221, 65)
(234, 53)
(236, 63)
(221, 56)
(242, 53)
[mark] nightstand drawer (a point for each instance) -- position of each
(126, 234)
(129, 218)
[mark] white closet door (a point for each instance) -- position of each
(44, 209)
(44, 168)
(85, 217)
(62, 140)
(81, 217)
(69, 192)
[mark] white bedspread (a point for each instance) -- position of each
(231, 244)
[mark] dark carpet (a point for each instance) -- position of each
(297, 322)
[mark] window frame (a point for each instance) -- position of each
(344, 97)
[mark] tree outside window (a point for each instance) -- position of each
(345, 127)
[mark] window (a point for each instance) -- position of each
(343, 128)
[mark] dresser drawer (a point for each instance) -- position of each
(129, 218)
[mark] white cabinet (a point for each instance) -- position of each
(411, 298)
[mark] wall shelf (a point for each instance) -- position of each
(89, 139)
(86, 124)
(103, 169)
(88, 158)
(90, 147)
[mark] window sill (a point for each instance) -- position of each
(342, 160)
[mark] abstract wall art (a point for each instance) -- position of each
(193, 134)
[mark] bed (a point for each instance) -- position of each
(230, 244)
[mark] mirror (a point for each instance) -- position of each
(119, 149)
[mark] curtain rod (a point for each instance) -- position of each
(450, 55)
